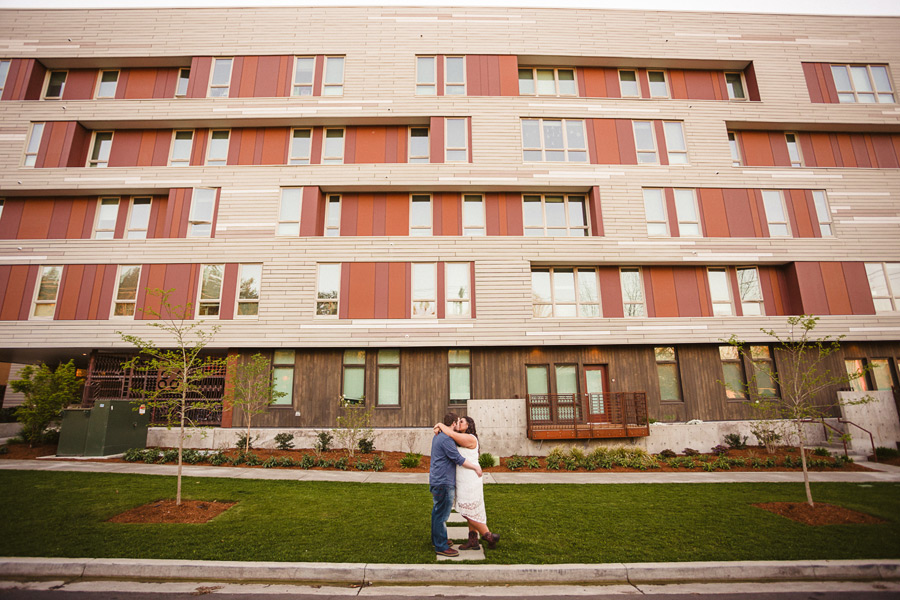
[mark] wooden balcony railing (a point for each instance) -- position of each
(586, 416)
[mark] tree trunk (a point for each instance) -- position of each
(180, 449)
(248, 431)
(809, 499)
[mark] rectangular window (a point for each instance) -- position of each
(248, 290)
(862, 83)
(424, 290)
(645, 142)
(823, 214)
(217, 153)
(333, 148)
(300, 147)
(184, 78)
(455, 75)
(548, 215)
(56, 84)
(632, 282)
(182, 144)
(473, 215)
(676, 148)
(107, 214)
(334, 76)
(793, 150)
(289, 212)
(735, 150)
(388, 378)
(333, 216)
(720, 292)
(537, 382)
(457, 135)
(34, 144)
(776, 215)
(856, 368)
(688, 213)
(419, 145)
(210, 296)
(1, 208)
(628, 84)
(426, 76)
(565, 292)
(553, 140)
(458, 286)
(203, 207)
(138, 219)
(108, 83)
(420, 219)
(47, 290)
(884, 282)
(100, 150)
(460, 366)
(283, 376)
(655, 210)
(550, 82)
(735, 84)
(220, 81)
(4, 73)
(880, 368)
(353, 388)
(733, 373)
(751, 291)
(125, 297)
(658, 86)
(763, 371)
(667, 372)
(328, 286)
(304, 68)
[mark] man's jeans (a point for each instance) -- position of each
(443, 504)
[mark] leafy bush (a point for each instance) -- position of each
(533, 463)
(818, 463)
(722, 463)
(600, 457)
(885, 453)
(374, 464)
(790, 462)
(270, 462)
(709, 466)
(242, 442)
(734, 440)
(323, 441)
(556, 458)
(690, 452)
(287, 461)
(238, 459)
(766, 433)
(486, 460)
(47, 392)
(719, 449)
(411, 460)
(284, 441)
(133, 455)
(167, 456)
(367, 445)
(51, 436)
(737, 462)
(667, 453)
(4, 449)
(821, 452)
(308, 461)
(190, 456)
(571, 463)
(343, 463)
(218, 459)
(252, 460)
(515, 462)
(150, 455)
(325, 463)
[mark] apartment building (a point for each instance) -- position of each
(422, 209)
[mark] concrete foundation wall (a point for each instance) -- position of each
(879, 416)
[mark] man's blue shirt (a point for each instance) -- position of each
(444, 458)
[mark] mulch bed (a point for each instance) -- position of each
(820, 514)
(166, 511)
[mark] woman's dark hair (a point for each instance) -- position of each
(471, 427)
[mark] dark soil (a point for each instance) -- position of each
(820, 514)
(166, 511)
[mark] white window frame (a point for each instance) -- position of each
(823, 213)
(196, 220)
(301, 89)
(33, 146)
(5, 66)
(36, 302)
(224, 87)
(570, 229)
(577, 306)
(735, 148)
(427, 302)
(333, 215)
(181, 162)
(750, 298)
(730, 86)
(637, 83)
(130, 229)
(656, 227)
(791, 141)
(333, 159)
(676, 156)
(889, 301)
(419, 158)
(238, 301)
(210, 302)
(632, 308)
(62, 88)
(645, 150)
(106, 233)
(770, 220)
(184, 74)
(458, 306)
(283, 225)
(300, 159)
(464, 149)
(556, 85)
(478, 226)
(426, 87)
(115, 86)
(458, 87)
(324, 300)
(566, 149)
(845, 95)
(125, 302)
(665, 83)
(685, 220)
(423, 229)
(97, 157)
(333, 88)
(722, 304)
(218, 162)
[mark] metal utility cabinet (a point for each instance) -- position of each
(110, 427)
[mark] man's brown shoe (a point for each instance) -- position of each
(448, 552)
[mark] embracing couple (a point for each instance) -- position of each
(455, 472)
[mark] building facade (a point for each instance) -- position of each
(424, 208)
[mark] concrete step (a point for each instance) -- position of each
(455, 517)
(458, 533)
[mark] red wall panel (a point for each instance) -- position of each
(712, 212)
(365, 211)
(19, 291)
(229, 291)
(752, 84)
(397, 215)
(884, 151)
(137, 84)
(275, 146)
(379, 214)
(126, 147)
(69, 287)
(665, 298)
(625, 140)
(370, 145)
(90, 280)
(10, 218)
(5, 271)
(35, 221)
(398, 290)
(686, 291)
(80, 84)
(382, 290)
(738, 214)
(677, 84)
(836, 292)
(811, 288)
(198, 85)
(798, 212)
(509, 75)
(312, 212)
(699, 85)
(757, 151)
(605, 147)
(153, 277)
(858, 290)
(450, 213)
(595, 211)
(436, 133)
(361, 297)
(25, 80)
(610, 292)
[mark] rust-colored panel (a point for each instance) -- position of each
(492, 223)
(836, 288)
(612, 83)
(157, 217)
(860, 150)
(699, 85)
(350, 152)
(80, 84)
(315, 148)
(166, 82)
(121, 218)
(686, 292)
(365, 209)
(437, 139)
(822, 147)
(10, 218)
(391, 135)
(51, 148)
(610, 292)
(234, 147)
(671, 212)
(895, 140)
(126, 145)
(737, 213)
(198, 147)
(648, 291)
(677, 85)
(778, 143)
(173, 213)
(884, 151)
(811, 74)
(178, 279)
(845, 149)
(161, 148)
(361, 299)
(89, 281)
(4, 285)
(643, 83)
(107, 287)
(275, 145)
(87, 229)
(17, 297)
(451, 217)
(382, 289)
(35, 221)
(811, 287)
(513, 210)
(140, 83)
(665, 297)
(122, 83)
(509, 75)
(806, 149)
(258, 146)
(720, 87)
(285, 78)
(215, 215)
(67, 298)
(625, 140)
(153, 277)
(661, 142)
(75, 221)
(370, 144)
(605, 150)
(267, 72)
(311, 206)
(756, 148)
(318, 74)
(397, 285)
(758, 213)
(712, 212)
(595, 211)
(441, 291)
(858, 290)
(33, 81)
(798, 213)
(703, 290)
(198, 83)
(771, 303)
(402, 144)
(77, 141)
(229, 291)
(826, 80)
(59, 221)
(146, 148)
(472, 289)
(591, 82)
(408, 268)
(379, 214)
(14, 78)
(349, 208)
(247, 145)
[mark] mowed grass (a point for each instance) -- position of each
(64, 514)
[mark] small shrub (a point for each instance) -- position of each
(555, 459)
(270, 462)
(242, 439)
(130, 455)
(323, 441)
(515, 462)
(4, 449)
(667, 453)
(817, 463)
(722, 463)
(167, 456)
(790, 462)
(287, 461)
(757, 463)
(571, 463)
(325, 463)
(51, 436)
(719, 450)
(284, 441)
(821, 452)
(190, 456)
(366, 445)
(882, 453)
(577, 456)
(690, 452)
(766, 433)
(687, 462)
(737, 462)
(838, 462)
(709, 466)
(343, 463)
(218, 459)
(734, 440)
(307, 462)
(252, 460)
(374, 464)
(486, 460)
(533, 463)
(411, 460)
(150, 455)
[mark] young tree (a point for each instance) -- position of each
(804, 373)
(251, 387)
(352, 426)
(47, 392)
(178, 370)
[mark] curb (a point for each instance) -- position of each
(443, 573)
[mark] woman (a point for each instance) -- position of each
(469, 486)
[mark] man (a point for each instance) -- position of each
(442, 480)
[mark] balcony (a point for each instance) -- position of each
(586, 416)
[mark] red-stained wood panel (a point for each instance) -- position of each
(643, 83)
(198, 147)
(258, 146)
(845, 147)
(19, 281)
(605, 150)
(275, 145)
(178, 279)
(141, 292)
(860, 150)
(699, 85)
(492, 223)
(77, 141)
(595, 211)
(686, 292)
(757, 151)
(229, 291)
(146, 148)
(836, 288)
(811, 74)
(858, 290)
(712, 213)
(361, 300)
(153, 277)
(198, 83)
(315, 148)
(285, 79)
(765, 283)
(811, 287)
(350, 145)
(312, 207)
(161, 147)
(80, 84)
(382, 290)
(612, 83)
(798, 212)
(247, 142)
(11, 218)
(391, 136)
(509, 75)
(610, 292)
(140, 84)
(51, 147)
(884, 151)
(106, 286)
(379, 214)
(28, 292)
(398, 284)
(476, 75)
(67, 297)
(821, 144)
(780, 155)
(402, 144)
(35, 221)
(677, 85)
(122, 83)
(370, 144)
(126, 146)
(806, 149)
(365, 211)
(703, 290)
(450, 209)
(166, 82)
(737, 213)
(267, 71)
(349, 204)
(492, 68)
(343, 305)
(87, 227)
(436, 132)
(513, 210)
(178, 198)
(59, 220)
(157, 217)
(666, 301)
(625, 141)
(85, 291)
(77, 214)
(234, 146)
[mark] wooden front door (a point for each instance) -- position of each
(595, 387)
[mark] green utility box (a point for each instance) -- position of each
(110, 427)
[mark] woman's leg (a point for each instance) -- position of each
(476, 526)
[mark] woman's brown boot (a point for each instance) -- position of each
(472, 543)
(491, 539)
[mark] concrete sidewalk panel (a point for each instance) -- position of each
(493, 574)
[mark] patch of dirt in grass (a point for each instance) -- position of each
(820, 514)
(24, 452)
(166, 511)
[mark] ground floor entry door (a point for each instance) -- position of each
(595, 387)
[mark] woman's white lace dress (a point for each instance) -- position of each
(469, 488)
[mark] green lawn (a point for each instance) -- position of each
(64, 514)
